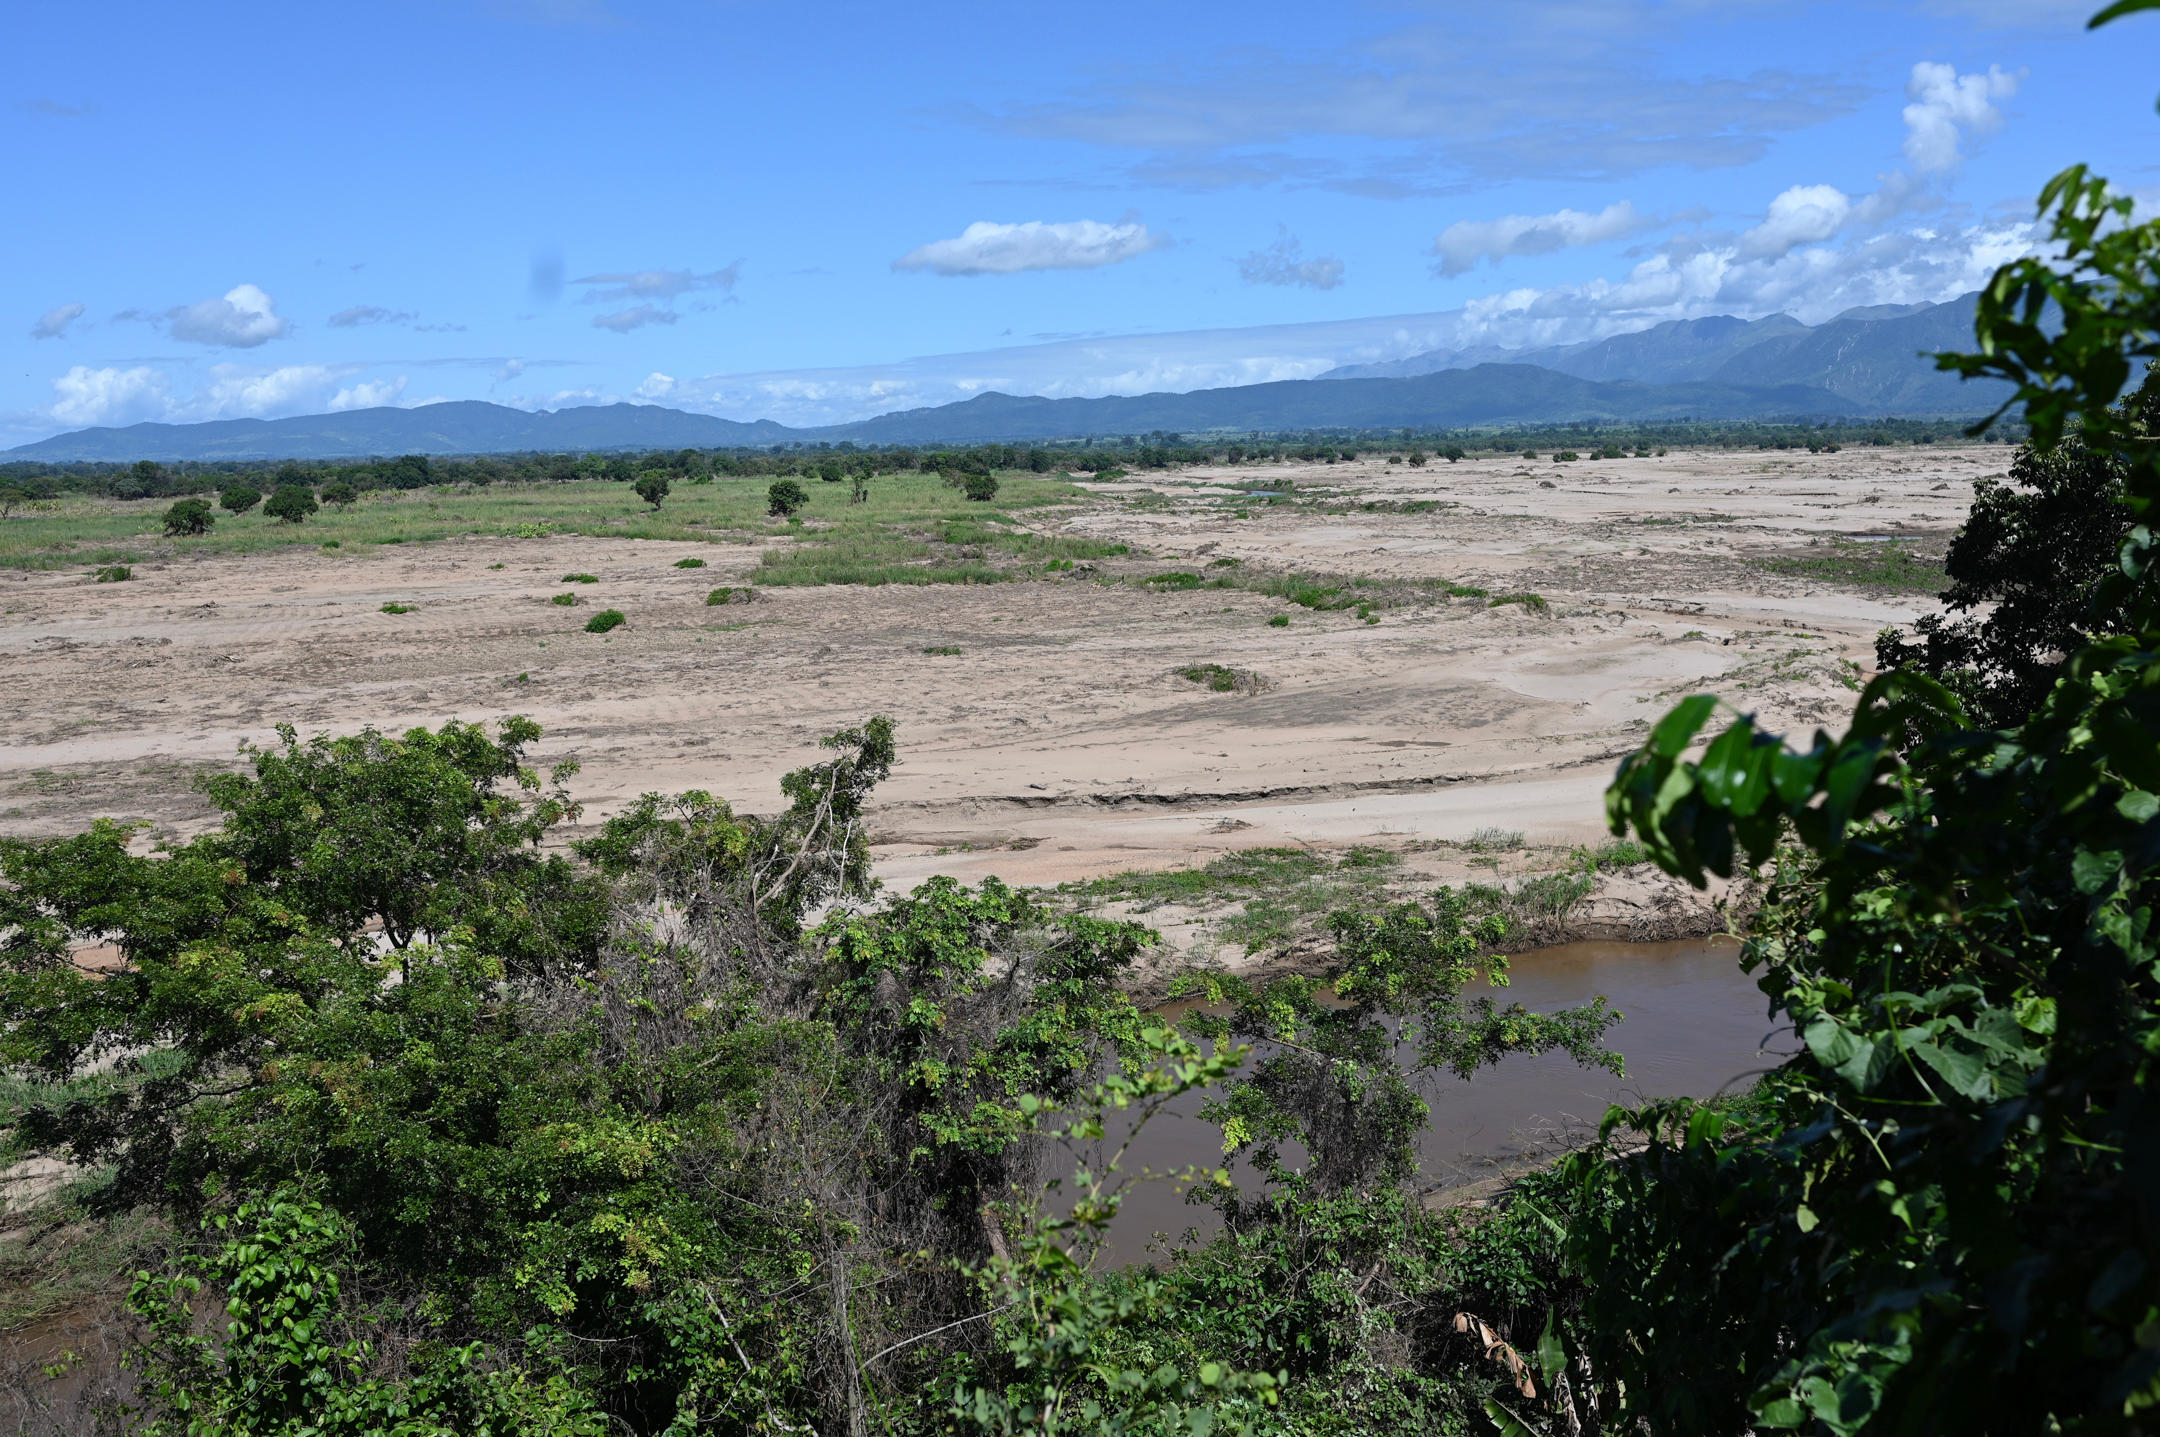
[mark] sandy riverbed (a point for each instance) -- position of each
(1060, 742)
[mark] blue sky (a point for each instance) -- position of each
(814, 212)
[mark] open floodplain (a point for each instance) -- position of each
(1432, 671)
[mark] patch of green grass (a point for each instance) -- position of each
(689, 563)
(730, 594)
(940, 649)
(1491, 839)
(581, 578)
(1176, 580)
(1283, 892)
(113, 574)
(1213, 676)
(604, 621)
(566, 600)
(1535, 603)
(1611, 855)
(397, 608)
(915, 530)
(1279, 621)
(1892, 564)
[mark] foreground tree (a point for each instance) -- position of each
(239, 498)
(1947, 1216)
(652, 486)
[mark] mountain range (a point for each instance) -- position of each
(1864, 363)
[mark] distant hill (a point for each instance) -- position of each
(1863, 363)
(1874, 357)
(461, 427)
(1487, 394)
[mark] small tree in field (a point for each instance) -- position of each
(239, 498)
(980, 487)
(188, 517)
(292, 504)
(341, 493)
(859, 490)
(12, 495)
(652, 486)
(784, 498)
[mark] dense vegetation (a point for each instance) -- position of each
(148, 479)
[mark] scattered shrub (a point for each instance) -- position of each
(980, 487)
(605, 620)
(1494, 840)
(1216, 678)
(689, 563)
(581, 578)
(741, 594)
(397, 608)
(1566, 456)
(1176, 579)
(1280, 621)
(566, 600)
(341, 493)
(652, 486)
(292, 504)
(1535, 603)
(239, 498)
(784, 497)
(188, 517)
(946, 649)
(113, 574)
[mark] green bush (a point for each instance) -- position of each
(394, 608)
(113, 574)
(980, 487)
(566, 600)
(940, 649)
(581, 578)
(1535, 603)
(604, 621)
(689, 563)
(292, 504)
(239, 498)
(783, 497)
(188, 517)
(341, 493)
(1280, 621)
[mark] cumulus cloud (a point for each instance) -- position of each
(1284, 263)
(1462, 244)
(54, 322)
(89, 396)
(361, 314)
(242, 319)
(372, 394)
(1804, 214)
(1947, 106)
(986, 247)
(622, 321)
(656, 386)
(660, 284)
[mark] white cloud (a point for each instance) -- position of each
(1284, 263)
(370, 394)
(109, 396)
(662, 284)
(623, 321)
(244, 318)
(656, 386)
(985, 247)
(54, 322)
(1804, 214)
(1946, 106)
(236, 391)
(1462, 244)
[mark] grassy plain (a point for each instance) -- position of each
(906, 519)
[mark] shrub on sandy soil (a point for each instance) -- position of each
(397, 608)
(567, 600)
(981, 487)
(113, 574)
(731, 594)
(689, 563)
(581, 578)
(604, 621)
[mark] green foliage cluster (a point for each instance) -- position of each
(606, 621)
(187, 518)
(1892, 564)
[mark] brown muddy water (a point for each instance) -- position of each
(1694, 1026)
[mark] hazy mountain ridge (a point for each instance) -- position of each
(1863, 363)
(1874, 356)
